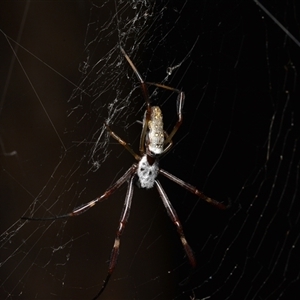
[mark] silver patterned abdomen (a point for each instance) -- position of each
(156, 131)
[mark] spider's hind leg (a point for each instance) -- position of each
(123, 143)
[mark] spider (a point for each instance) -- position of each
(154, 141)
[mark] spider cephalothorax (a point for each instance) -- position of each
(147, 172)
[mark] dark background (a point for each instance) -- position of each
(239, 140)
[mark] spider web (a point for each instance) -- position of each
(63, 75)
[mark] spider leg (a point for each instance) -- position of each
(123, 143)
(146, 120)
(138, 75)
(144, 87)
(146, 97)
(86, 206)
(170, 143)
(173, 215)
(122, 223)
(193, 190)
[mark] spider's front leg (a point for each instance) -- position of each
(174, 217)
(194, 190)
(122, 223)
(86, 206)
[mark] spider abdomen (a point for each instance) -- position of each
(147, 173)
(156, 131)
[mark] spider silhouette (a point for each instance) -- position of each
(154, 142)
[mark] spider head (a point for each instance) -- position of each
(155, 137)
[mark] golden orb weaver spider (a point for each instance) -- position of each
(154, 142)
